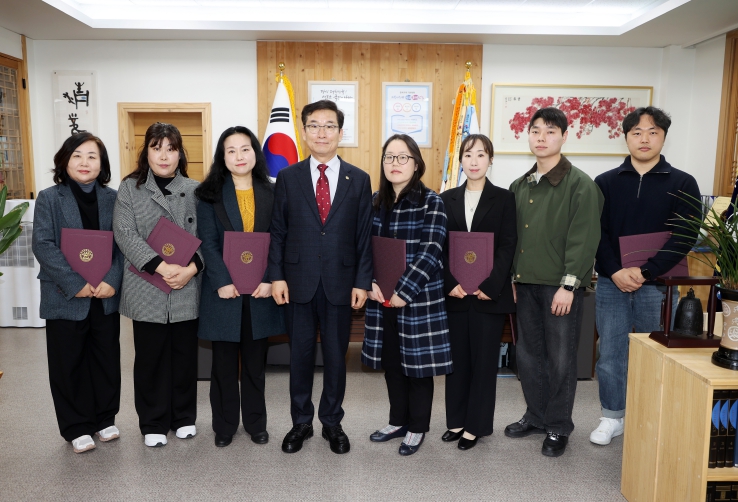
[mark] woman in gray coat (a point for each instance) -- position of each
(82, 320)
(236, 196)
(164, 325)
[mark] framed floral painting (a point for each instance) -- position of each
(595, 115)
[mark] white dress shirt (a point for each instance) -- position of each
(331, 173)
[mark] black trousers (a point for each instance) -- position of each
(165, 375)
(411, 399)
(84, 371)
(472, 388)
(224, 393)
(335, 326)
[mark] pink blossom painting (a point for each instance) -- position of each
(595, 115)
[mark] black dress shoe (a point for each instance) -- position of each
(338, 439)
(467, 444)
(378, 437)
(222, 440)
(406, 449)
(260, 437)
(554, 445)
(521, 429)
(296, 436)
(451, 436)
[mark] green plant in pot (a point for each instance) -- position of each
(10, 227)
(719, 237)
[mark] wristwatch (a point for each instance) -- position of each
(568, 288)
(646, 273)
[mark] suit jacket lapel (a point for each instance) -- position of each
(156, 194)
(344, 181)
(230, 201)
(486, 202)
(105, 205)
(264, 200)
(306, 182)
(69, 206)
(457, 208)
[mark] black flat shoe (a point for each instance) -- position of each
(296, 436)
(260, 437)
(521, 429)
(222, 440)
(406, 449)
(450, 436)
(378, 437)
(554, 445)
(467, 444)
(338, 439)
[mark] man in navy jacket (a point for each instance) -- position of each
(642, 196)
(320, 264)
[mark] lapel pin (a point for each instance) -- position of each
(347, 177)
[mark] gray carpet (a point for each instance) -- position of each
(37, 464)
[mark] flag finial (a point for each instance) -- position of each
(469, 65)
(281, 70)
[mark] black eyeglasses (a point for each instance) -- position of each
(401, 159)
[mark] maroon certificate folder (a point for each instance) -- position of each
(88, 252)
(174, 245)
(390, 261)
(245, 256)
(471, 257)
(635, 250)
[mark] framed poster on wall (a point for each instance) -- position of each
(406, 109)
(75, 104)
(595, 114)
(346, 96)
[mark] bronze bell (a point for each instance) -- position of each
(688, 318)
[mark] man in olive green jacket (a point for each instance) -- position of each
(558, 216)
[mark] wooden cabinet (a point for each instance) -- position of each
(667, 422)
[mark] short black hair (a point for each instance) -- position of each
(211, 189)
(61, 159)
(323, 104)
(551, 117)
(660, 118)
(469, 142)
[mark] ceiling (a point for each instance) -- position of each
(635, 23)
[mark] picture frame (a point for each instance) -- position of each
(602, 107)
(346, 96)
(407, 109)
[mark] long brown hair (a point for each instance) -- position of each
(155, 134)
(386, 195)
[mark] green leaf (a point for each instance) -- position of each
(8, 239)
(3, 196)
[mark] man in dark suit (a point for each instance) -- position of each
(320, 265)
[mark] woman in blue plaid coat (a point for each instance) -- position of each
(406, 330)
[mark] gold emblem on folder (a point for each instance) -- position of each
(167, 249)
(247, 257)
(470, 257)
(85, 255)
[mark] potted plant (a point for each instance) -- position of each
(10, 227)
(719, 237)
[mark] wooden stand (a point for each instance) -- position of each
(667, 422)
(675, 340)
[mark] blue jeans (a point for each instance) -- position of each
(617, 314)
(547, 356)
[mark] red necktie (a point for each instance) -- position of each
(323, 194)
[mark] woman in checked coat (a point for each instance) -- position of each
(408, 335)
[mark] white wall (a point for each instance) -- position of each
(221, 73)
(10, 43)
(687, 83)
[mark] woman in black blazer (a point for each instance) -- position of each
(236, 196)
(82, 320)
(476, 318)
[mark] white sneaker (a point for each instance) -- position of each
(154, 440)
(608, 429)
(186, 432)
(83, 444)
(108, 433)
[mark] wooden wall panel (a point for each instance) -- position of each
(371, 64)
